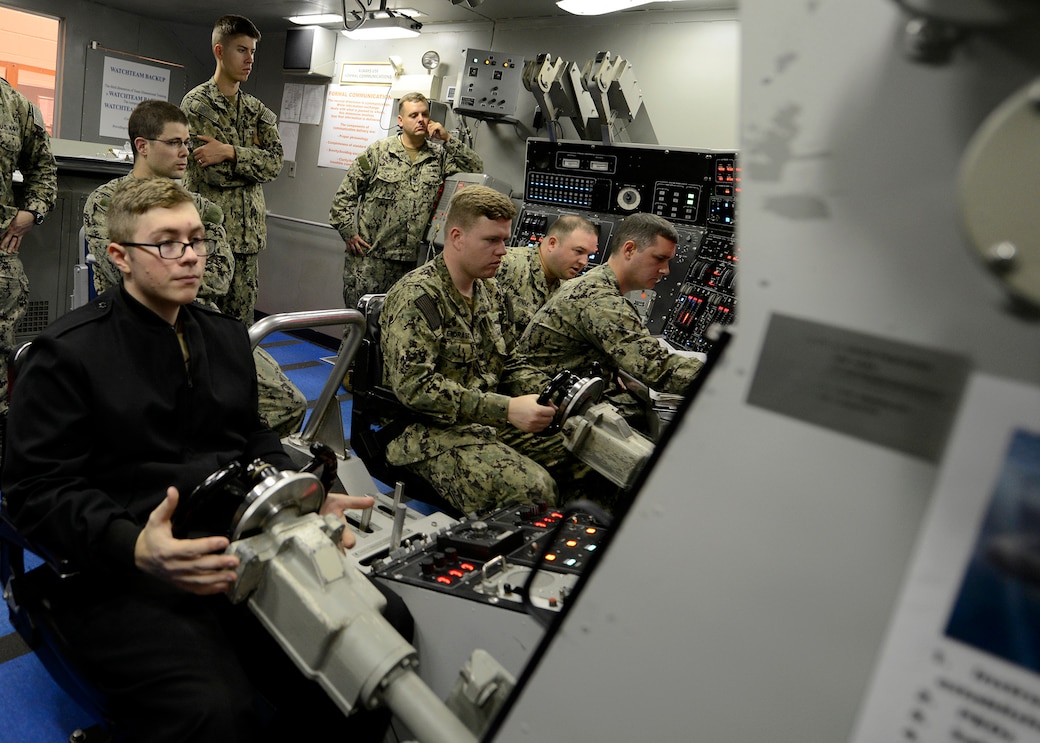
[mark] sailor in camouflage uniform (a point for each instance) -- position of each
(531, 275)
(589, 321)
(446, 337)
(24, 146)
(158, 131)
(237, 148)
(384, 203)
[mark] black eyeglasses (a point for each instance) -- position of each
(174, 143)
(171, 250)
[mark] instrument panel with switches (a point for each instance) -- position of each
(695, 190)
(490, 560)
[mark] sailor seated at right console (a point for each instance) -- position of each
(588, 327)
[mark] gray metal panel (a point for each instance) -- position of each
(747, 596)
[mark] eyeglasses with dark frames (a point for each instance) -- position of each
(171, 250)
(174, 143)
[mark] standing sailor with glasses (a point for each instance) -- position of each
(158, 131)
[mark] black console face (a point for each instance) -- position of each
(695, 190)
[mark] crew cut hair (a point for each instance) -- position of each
(136, 196)
(643, 229)
(228, 27)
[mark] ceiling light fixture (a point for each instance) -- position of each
(325, 19)
(396, 27)
(601, 7)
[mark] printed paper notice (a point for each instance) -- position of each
(124, 84)
(355, 116)
(961, 661)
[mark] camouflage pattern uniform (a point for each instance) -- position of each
(282, 406)
(522, 277)
(445, 358)
(589, 321)
(235, 186)
(24, 146)
(387, 199)
(220, 264)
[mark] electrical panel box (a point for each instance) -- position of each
(489, 84)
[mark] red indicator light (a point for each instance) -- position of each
(468, 567)
(445, 580)
(456, 573)
(540, 524)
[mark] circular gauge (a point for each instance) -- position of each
(628, 198)
(431, 60)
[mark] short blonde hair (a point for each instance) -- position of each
(473, 202)
(137, 196)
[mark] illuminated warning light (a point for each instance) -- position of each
(591, 530)
(541, 524)
(572, 543)
(457, 573)
(467, 566)
(551, 558)
(556, 515)
(571, 562)
(445, 580)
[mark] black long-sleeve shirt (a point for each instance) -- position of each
(106, 414)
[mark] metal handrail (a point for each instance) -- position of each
(355, 323)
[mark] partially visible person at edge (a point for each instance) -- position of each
(25, 147)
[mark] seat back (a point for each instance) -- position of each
(377, 417)
(27, 573)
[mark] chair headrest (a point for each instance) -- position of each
(371, 305)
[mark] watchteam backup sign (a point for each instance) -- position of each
(124, 85)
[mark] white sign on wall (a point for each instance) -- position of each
(961, 661)
(124, 85)
(355, 116)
